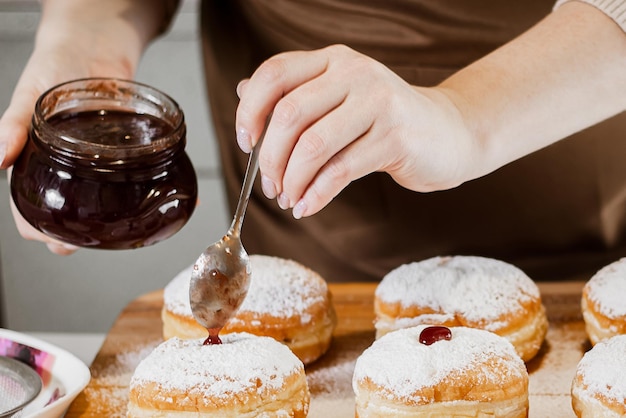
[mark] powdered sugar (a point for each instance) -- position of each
(602, 369)
(331, 375)
(242, 362)
(607, 289)
(385, 361)
(176, 293)
(480, 289)
(278, 287)
(120, 371)
(108, 390)
(107, 401)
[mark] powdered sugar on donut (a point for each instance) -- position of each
(242, 362)
(480, 289)
(607, 288)
(399, 362)
(278, 287)
(602, 370)
(176, 293)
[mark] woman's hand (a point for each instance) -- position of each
(75, 39)
(338, 116)
(45, 68)
(27, 231)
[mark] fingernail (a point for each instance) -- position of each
(238, 90)
(244, 141)
(240, 87)
(300, 209)
(283, 201)
(268, 186)
(3, 152)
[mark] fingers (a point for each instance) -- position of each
(294, 116)
(61, 249)
(15, 123)
(28, 232)
(333, 177)
(323, 105)
(328, 144)
(14, 126)
(273, 79)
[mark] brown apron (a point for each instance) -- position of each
(557, 214)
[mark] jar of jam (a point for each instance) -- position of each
(105, 165)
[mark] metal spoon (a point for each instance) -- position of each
(221, 275)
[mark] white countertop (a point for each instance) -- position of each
(85, 346)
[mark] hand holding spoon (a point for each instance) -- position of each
(221, 275)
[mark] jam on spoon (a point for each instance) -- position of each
(431, 335)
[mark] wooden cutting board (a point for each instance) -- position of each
(137, 331)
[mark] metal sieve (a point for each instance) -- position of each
(19, 385)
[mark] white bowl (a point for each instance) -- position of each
(63, 374)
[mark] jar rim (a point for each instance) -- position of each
(92, 93)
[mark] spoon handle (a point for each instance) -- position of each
(248, 182)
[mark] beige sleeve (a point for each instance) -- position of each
(615, 9)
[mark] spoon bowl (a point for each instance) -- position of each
(220, 277)
(219, 282)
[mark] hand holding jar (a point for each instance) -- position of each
(106, 41)
(105, 166)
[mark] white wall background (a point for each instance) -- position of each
(84, 292)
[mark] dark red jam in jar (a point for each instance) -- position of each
(105, 165)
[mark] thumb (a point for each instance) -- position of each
(15, 123)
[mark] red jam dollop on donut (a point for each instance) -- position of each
(431, 335)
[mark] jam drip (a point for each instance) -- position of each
(214, 337)
(431, 335)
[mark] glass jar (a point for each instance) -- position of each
(105, 165)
